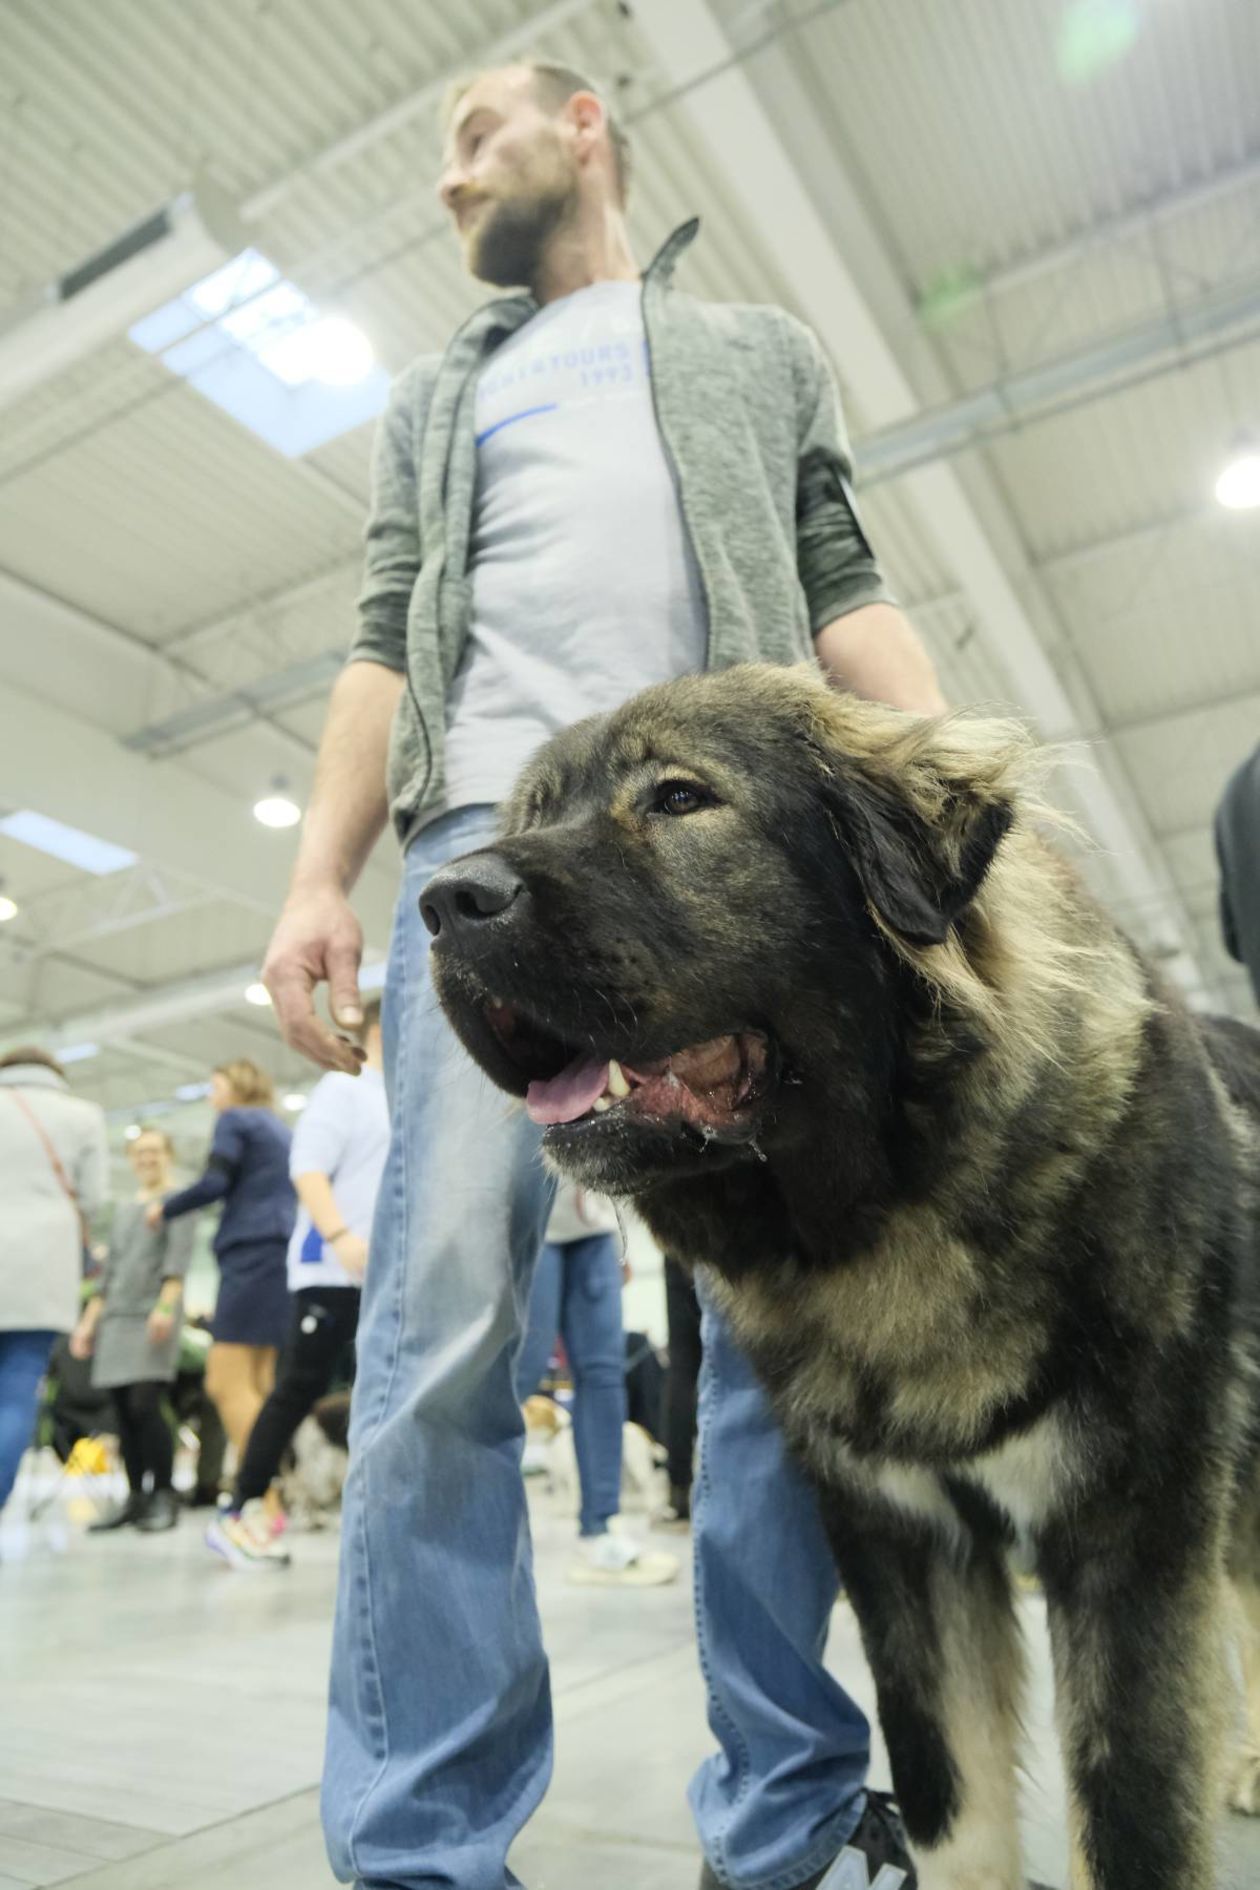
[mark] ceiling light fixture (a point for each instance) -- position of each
(277, 809)
(295, 1100)
(8, 907)
(1238, 486)
(257, 993)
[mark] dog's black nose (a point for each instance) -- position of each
(464, 897)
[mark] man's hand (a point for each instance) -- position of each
(352, 1251)
(82, 1339)
(153, 1216)
(317, 941)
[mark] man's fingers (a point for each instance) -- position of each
(343, 986)
(292, 994)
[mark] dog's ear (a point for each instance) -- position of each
(919, 872)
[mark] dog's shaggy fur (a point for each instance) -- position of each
(977, 1195)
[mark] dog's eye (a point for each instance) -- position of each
(680, 797)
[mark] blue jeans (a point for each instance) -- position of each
(577, 1292)
(440, 1729)
(23, 1361)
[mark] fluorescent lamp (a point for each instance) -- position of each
(1238, 487)
(257, 994)
(8, 908)
(191, 1092)
(132, 1130)
(70, 844)
(155, 259)
(295, 1100)
(77, 1052)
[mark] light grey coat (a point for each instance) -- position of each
(41, 1253)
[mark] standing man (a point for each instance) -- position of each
(601, 484)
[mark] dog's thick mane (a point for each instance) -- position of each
(1031, 947)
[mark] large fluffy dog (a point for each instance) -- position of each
(977, 1195)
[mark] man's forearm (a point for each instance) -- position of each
(875, 652)
(349, 804)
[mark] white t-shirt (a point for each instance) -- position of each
(584, 585)
(343, 1133)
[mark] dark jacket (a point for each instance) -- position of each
(1238, 850)
(750, 420)
(248, 1170)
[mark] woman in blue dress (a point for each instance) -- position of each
(248, 1171)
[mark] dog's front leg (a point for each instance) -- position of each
(940, 1632)
(1139, 1659)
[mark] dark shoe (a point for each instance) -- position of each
(202, 1496)
(677, 1512)
(122, 1516)
(878, 1844)
(162, 1513)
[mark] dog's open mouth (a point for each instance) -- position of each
(711, 1085)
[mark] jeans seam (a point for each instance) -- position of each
(709, 1369)
(364, 1579)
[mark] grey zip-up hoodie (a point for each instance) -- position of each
(751, 424)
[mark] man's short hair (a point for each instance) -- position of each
(554, 86)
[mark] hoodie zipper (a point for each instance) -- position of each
(676, 476)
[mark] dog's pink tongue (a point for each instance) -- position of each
(565, 1097)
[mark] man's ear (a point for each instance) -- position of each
(919, 869)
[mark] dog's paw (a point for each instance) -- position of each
(1244, 1784)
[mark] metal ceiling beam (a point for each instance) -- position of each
(755, 158)
(217, 715)
(1187, 332)
(1129, 226)
(65, 766)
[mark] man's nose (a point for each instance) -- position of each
(467, 901)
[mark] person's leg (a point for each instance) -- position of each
(324, 1317)
(542, 1321)
(682, 1311)
(231, 1380)
(130, 1442)
(786, 1789)
(590, 1319)
(153, 1433)
(211, 1445)
(23, 1358)
(264, 1371)
(439, 1738)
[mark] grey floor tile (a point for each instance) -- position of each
(87, 1837)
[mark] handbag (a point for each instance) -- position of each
(63, 1179)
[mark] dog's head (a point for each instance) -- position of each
(703, 913)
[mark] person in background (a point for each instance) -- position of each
(338, 1153)
(577, 1292)
(1237, 828)
(682, 1378)
(248, 1171)
(131, 1328)
(54, 1176)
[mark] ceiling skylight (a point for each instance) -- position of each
(257, 346)
(70, 844)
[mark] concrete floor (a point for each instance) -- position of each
(161, 1726)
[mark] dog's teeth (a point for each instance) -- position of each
(601, 1103)
(617, 1084)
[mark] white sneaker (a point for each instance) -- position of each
(617, 1561)
(249, 1539)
